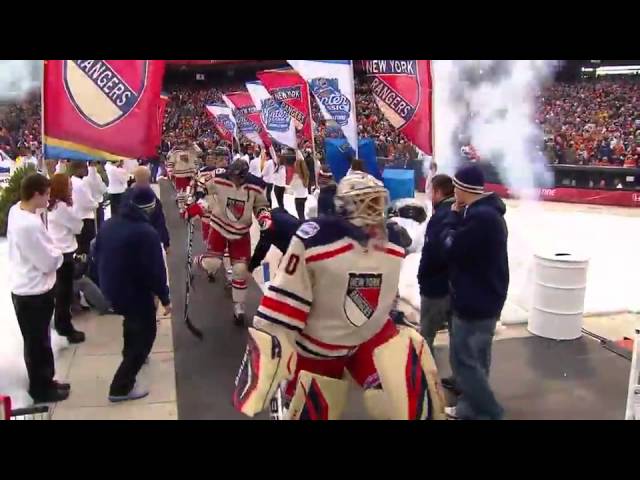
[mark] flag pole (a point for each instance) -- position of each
(355, 114)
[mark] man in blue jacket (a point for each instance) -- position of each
(433, 273)
(132, 273)
(475, 245)
(142, 178)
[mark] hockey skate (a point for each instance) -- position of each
(239, 317)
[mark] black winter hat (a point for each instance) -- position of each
(470, 179)
(143, 198)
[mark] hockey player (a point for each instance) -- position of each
(328, 311)
(238, 195)
(182, 162)
(283, 227)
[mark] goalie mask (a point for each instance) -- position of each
(362, 199)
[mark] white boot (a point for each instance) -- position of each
(239, 317)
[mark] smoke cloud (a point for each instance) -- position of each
(491, 104)
(18, 78)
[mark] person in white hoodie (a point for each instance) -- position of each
(255, 165)
(279, 178)
(97, 188)
(300, 184)
(117, 177)
(64, 224)
(268, 170)
(32, 265)
(84, 205)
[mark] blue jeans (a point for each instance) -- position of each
(155, 166)
(470, 357)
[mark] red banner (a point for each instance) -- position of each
(620, 198)
(289, 87)
(101, 109)
(245, 107)
(403, 90)
(157, 128)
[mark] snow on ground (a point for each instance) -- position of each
(13, 374)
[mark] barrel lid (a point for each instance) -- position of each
(562, 256)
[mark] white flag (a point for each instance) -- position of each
(275, 119)
(331, 82)
(224, 116)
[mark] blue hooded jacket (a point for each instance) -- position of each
(131, 268)
(283, 227)
(156, 218)
(475, 246)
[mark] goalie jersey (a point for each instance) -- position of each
(333, 291)
(229, 209)
(182, 163)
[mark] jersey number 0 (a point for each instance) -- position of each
(292, 264)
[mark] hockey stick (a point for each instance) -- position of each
(195, 331)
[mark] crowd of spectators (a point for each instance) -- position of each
(590, 122)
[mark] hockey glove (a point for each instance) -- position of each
(264, 220)
(193, 210)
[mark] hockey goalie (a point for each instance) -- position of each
(326, 317)
(181, 163)
(229, 198)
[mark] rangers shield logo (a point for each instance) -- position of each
(363, 294)
(327, 92)
(395, 86)
(273, 116)
(103, 92)
(235, 208)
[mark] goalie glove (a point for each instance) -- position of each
(264, 220)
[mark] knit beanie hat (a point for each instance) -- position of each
(470, 179)
(144, 198)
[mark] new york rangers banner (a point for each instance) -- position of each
(245, 114)
(276, 121)
(403, 90)
(292, 90)
(157, 128)
(331, 82)
(101, 109)
(223, 121)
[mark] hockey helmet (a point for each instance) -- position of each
(238, 169)
(362, 199)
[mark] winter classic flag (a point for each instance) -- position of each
(275, 119)
(243, 109)
(223, 121)
(403, 90)
(101, 109)
(331, 82)
(292, 90)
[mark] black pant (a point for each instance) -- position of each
(87, 234)
(64, 296)
(115, 198)
(139, 333)
(34, 317)
(268, 192)
(279, 191)
(99, 216)
(300, 207)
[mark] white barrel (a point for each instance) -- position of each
(560, 281)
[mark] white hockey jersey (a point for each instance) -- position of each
(330, 289)
(229, 209)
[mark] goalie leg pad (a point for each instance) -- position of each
(317, 398)
(268, 360)
(409, 377)
(239, 282)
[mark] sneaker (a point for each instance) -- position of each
(135, 393)
(451, 413)
(76, 336)
(51, 396)
(61, 386)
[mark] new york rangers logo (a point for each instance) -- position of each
(337, 104)
(235, 208)
(103, 92)
(395, 85)
(273, 115)
(363, 295)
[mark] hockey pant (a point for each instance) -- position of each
(239, 254)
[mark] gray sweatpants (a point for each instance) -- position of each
(435, 313)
